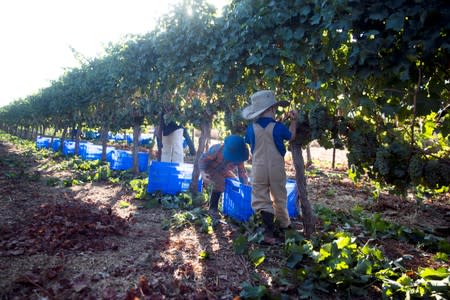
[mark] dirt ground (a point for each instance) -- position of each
(80, 243)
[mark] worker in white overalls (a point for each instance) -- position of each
(172, 143)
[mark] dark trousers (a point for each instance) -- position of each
(214, 200)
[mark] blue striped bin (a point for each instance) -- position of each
(237, 200)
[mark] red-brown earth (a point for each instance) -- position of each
(80, 243)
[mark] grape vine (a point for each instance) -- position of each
(386, 159)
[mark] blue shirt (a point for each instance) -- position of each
(280, 134)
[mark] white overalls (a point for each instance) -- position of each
(269, 176)
(172, 147)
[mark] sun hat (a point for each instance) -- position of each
(235, 149)
(261, 101)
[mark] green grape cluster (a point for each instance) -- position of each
(436, 173)
(343, 125)
(416, 168)
(339, 132)
(361, 144)
(319, 121)
(303, 132)
(386, 158)
(314, 123)
(338, 143)
(391, 164)
(382, 161)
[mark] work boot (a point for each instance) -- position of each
(268, 220)
(214, 214)
(280, 233)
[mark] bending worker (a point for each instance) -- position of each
(219, 162)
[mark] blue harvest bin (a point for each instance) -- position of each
(83, 148)
(144, 139)
(292, 194)
(91, 135)
(129, 139)
(93, 152)
(69, 147)
(118, 137)
(123, 160)
(56, 143)
(237, 200)
(43, 142)
(170, 178)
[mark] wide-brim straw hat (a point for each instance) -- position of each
(261, 101)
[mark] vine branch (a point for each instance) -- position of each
(416, 92)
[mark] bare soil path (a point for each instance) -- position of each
(80, 243)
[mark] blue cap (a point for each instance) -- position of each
(235, 149)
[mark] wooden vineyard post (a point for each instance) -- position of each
(300, 177)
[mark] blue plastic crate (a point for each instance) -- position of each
(93, 152)
(69, 147)
(170, 178)
(91, 135)
(55, 145)
(292, 194)
(43, 142)
(118, 137)
(123, 160)
(237, 200)
(144, 139)
(83, 149)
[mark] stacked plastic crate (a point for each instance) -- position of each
(237, 200)
(170, 178)
(56, 144)
(69, 147)
(93, 152)
(123, 160)
(43, 142)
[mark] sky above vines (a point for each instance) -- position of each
(37, 36)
